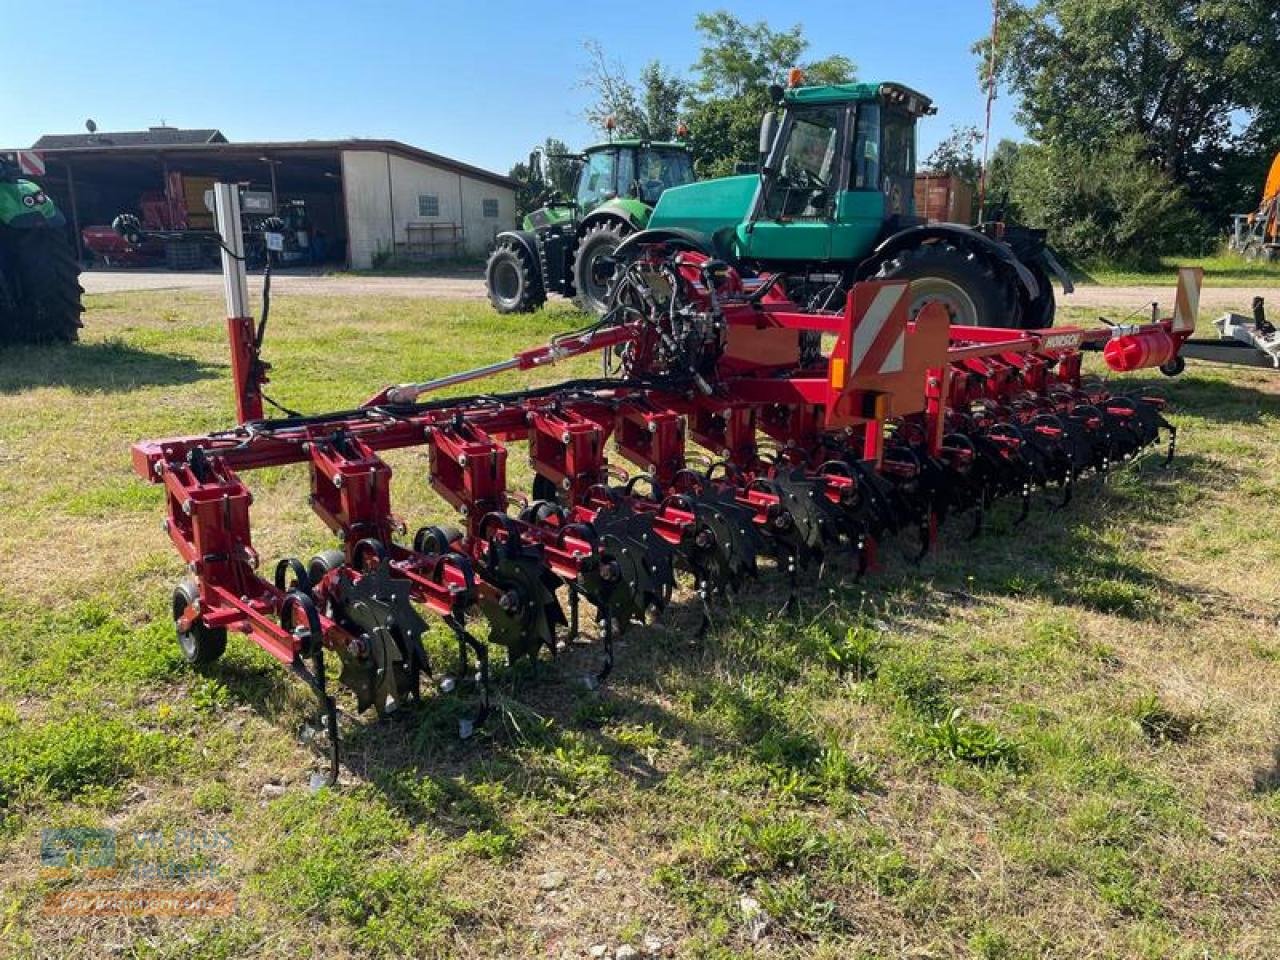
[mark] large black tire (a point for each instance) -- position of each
(974, 293)
(1038, 314)
(600, 240)
(42, 280)
(512, 281)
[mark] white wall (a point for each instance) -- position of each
(374, 199)
(364, 183)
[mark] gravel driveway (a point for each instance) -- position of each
(469, 285)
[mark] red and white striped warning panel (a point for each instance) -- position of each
(880, 334)
(1186, 304)
(30, 163)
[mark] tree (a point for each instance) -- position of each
(1002, 163)
(546, 169)
(957, 154)
(649, 111)
(1191, 79)
(726, 98)
(734, 69)
(1111, 203)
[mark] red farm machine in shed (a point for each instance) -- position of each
(750, 446)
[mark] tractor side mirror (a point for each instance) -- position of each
(768, 129)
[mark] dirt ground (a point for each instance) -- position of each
(469, 285)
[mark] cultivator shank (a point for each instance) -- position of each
(745, 444)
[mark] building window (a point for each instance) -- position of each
(428, 205)
(491, 207)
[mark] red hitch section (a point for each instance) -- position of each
(800, 458)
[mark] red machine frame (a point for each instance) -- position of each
(886, 374)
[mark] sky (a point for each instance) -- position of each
(479, 82)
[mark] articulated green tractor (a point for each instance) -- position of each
(834, 204)
(39, 277)
(617, 185)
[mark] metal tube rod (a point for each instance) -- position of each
(408, 392)
(226, 209)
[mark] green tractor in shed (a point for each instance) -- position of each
(39, 276)
(555, 251)
(833, 204)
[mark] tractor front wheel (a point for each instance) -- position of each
(511, 279)
(599, 241)
(964, 283)
(42, 286)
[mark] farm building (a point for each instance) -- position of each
(363, 199)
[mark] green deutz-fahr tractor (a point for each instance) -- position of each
(617, 185)
(39, 277)
(833, 204)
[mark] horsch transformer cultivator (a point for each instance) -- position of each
(801, 454)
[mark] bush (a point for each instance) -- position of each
(1109, 205)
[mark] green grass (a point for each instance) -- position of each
(1223, 270)
(1057, 740)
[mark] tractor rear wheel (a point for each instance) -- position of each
(511, 279)
(965, 284)
(599, 241)
(42, 283)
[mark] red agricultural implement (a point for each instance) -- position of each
(749, 441)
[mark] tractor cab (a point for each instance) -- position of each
(633, 173)
(833, 203)
(637, 169)
(838, 170)
(616, 185)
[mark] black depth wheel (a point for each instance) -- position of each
(600, 240)
(200, 643)
(511, 279)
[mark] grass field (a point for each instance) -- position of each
(1225, 270)
(1060, 740)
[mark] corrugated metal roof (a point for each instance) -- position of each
(156, 136)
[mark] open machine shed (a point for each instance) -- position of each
(366, 197)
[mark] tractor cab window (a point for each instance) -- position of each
(598, 181)
(864, 173)
(899, 145)
(897, 162)
(660, 169)
(805, 168)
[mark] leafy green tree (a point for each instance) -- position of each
(1102, 204)
(1194, 80)
(650, 110)
(958, 154)
(737, 63)
(1002, 163)
(546, 169)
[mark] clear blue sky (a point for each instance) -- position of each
(481, 82)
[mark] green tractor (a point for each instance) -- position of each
(39, 276)
(833, 203)
(559, 243)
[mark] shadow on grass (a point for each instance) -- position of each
(1214, 399)
(551, 738)
(109, 367)
(1266, 780)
